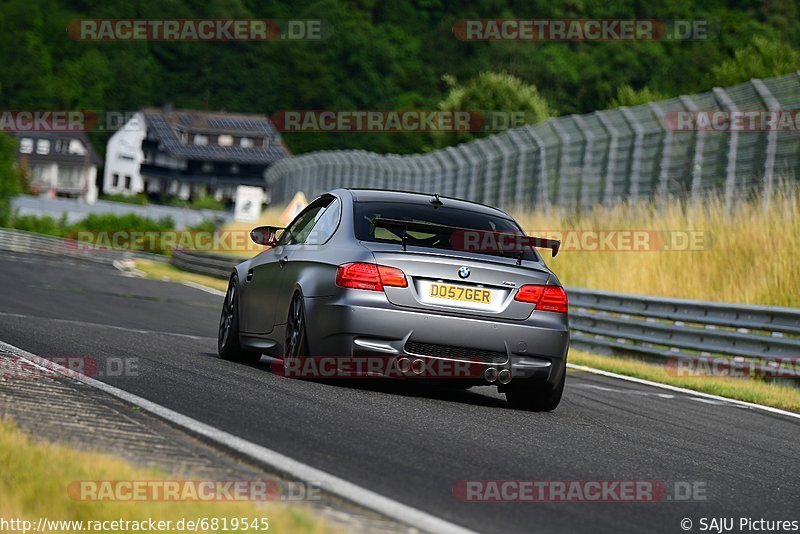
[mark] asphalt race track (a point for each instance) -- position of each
(414, 443)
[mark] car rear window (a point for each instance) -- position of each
(366, 214)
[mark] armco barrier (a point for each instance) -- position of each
(216, 265)
(655, 327)
(12, 240)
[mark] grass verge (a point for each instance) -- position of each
(35, 477)
(756, 391)
(166, 271)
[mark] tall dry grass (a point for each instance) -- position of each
(751, 255)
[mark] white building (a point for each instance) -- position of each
(190, 153)
(62, 164)
(124, 157)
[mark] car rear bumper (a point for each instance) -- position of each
(363, 323)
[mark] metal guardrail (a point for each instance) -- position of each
(12, 240)
(654, 327)
(648, 327)
(216, 265)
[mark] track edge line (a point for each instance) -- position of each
(687, 391)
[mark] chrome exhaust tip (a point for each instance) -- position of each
(403, 365)
(490, 374)
(504, 376)
(418, 366)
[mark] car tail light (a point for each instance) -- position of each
(546, 298)
(369, 276)
(392, 277)
(529, 293)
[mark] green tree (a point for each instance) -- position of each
(9, 177)
(380, 55)
(763, 58)
(488, 93)
(628, 96)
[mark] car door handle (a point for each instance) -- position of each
(284, 260)
(249, 275)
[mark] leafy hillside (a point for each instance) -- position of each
(382, 55)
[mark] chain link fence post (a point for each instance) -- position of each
(772, 104)
(563, 162)
(733, 146)
(697, 157)
(613, 144)
(636, 154)
(666, 153)
(586, 161)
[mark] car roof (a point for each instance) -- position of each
(388, 195)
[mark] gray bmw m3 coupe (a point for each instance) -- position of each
(397, 284)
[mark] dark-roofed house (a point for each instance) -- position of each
(187, 153)
(60, 163)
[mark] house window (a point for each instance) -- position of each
(127, 182)
(200, 140)
(245, 142)
(76, 147)
(126, 157)
(115, 180)
(42, 146)
(26, 145)
(225, 140)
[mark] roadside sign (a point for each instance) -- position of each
(248, 203)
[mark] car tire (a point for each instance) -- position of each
(296, 342)
(536, 397)
(228, 345)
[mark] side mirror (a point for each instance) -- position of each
(265, 235)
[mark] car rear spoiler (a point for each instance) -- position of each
(470, 239)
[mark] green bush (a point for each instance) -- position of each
(763, 58)
(489, 93)
(197, 203)
(103, 227)
(205, 226)
(628, 96)
(110, 222)
(41, 225)
(10, 184)
(140, 199)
